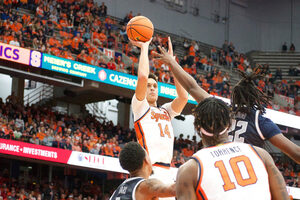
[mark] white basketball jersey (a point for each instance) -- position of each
(231, 171)
(154, 130)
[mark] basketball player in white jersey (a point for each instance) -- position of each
(153, 124)
(226, 170)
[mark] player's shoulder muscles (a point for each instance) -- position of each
(186, 180)
(267, 127)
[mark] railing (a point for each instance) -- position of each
(43, 92)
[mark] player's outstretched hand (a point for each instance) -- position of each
(164, 55)
(140, 44)
(170, 50)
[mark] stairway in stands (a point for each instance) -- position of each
(278, 60)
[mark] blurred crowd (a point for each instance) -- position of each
(19, 189)
(77, 30)
(40, 125)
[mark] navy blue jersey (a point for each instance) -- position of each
(252, 128)
(126, 191)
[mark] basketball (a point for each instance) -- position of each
(140, 28)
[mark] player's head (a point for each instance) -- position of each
(245, 94)
(152, 89)
(212, 120)
(134, 158)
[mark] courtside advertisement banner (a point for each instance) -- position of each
(96, 162)
(57, 155)
(34, 151)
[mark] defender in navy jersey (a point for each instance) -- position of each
(246, 99)
(136, 160)
(252, 128)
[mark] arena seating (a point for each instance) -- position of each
(59, 38)
(44, 127)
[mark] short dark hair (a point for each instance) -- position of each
(245, 94)
(153, 76)
(132, 156)
(213, 115)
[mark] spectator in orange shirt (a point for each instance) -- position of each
(90, 58)
(241, 67)
(16, 26)
(82, 57)
(53, 41)
(109, 151)
(188, 152)
(67, 43)
(68, 55)
(8, 3)
(8, 37)
(96, 37)
(102, 37)
(205, 85)
(75, 44)
(41, 134)
(214, 92)
(205, 65)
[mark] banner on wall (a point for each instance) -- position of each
(107, 76)
(284, 100)
(96, 162)
(34, 151)
(111, 53)
(75, 158)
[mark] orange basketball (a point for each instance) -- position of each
(140, 28)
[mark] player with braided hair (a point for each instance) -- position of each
(248, 104)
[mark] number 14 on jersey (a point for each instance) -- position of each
(164, 131)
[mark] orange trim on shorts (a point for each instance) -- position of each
(199, 190)
(161, 166)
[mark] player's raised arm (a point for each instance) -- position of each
(186, 80)
(153, 188)
(186, 181)
(143, 69)
(276, 181)
(182, 96)
(286, 146)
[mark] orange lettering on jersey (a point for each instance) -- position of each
(159, 116)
